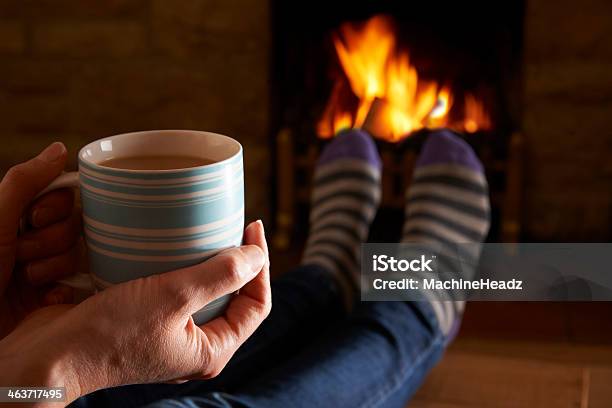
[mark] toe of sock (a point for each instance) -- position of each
(353, 143)
(445, 147)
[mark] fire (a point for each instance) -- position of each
(443, 105)
(341, 118)
(392, 98)
(407, 108)
(363, 59)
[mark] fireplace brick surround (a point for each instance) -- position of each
(77, 71)
(566, 120)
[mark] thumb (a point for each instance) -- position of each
(24, 181)
(196, 286)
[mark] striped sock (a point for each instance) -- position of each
(448, 204)
(344, 201)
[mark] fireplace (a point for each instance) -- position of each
(396, 70)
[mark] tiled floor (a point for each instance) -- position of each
(477, 373)
(543, 357)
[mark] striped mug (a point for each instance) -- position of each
(143, 222)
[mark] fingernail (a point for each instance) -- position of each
(53, 152)
(255, 257)
(41, 216)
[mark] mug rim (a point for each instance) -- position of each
(97, 166)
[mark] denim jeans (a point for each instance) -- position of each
(310, 353)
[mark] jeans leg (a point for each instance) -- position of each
(304, 302)
(376, 358)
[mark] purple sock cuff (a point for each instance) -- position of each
(353, 144)
(444, 147)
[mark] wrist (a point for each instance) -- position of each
(59, 370)
(77, 365)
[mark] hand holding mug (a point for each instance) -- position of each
(138, 331)
(143, 330)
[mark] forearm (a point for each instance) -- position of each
(46, 370)
(51, 360)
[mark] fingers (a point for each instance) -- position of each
(194, 287)
(47, 242)
(17, 189)
(47, 270)
(258, 288)
(22, 182)
(246, 311)
(61, 260)
(51, 207)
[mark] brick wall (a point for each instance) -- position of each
(75, 71)
(568, 119)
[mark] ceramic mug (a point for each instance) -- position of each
(143, 222)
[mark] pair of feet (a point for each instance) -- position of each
(447, 203)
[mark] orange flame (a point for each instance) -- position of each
(375, 70)
(363, 60)
(408, 108)
(342, 119)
